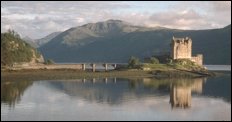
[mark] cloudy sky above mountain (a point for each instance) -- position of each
(37, 19)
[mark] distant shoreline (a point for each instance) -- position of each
(218, 67)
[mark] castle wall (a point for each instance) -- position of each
(183, 51)
(181, 48)
(198, 59)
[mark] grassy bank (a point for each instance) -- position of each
(67, 74)
(178, 69)
(42, 74)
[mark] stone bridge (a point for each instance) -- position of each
(80, 66)
(93, 66)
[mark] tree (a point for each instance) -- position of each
(133, 62)
(49, 61)
(13, 33)
(154, 60)
(14, 49)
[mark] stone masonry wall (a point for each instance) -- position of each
(181, 48)
(198, 59)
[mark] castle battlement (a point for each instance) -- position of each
(185, 40)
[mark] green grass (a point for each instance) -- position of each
(157, 66)
(68, 74)
(185, 64)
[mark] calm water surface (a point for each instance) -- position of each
(118, 99)
(218, 67)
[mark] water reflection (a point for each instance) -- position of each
(181, 92)
(110, 91)
(180, 89)
(115, 91)
(11, 92)
(117, 99)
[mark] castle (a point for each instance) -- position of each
(181, 48)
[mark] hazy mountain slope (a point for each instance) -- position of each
(30, 41)
(39, 42)
(46, 39)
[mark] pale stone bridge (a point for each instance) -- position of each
(91, 66)
(79, 66)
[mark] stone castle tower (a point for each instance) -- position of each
(181, 48)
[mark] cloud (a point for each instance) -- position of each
(186, 19)
(7, 27)
(221, 6)
(19, 16)
(38, 19)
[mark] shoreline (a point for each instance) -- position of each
(62, 74)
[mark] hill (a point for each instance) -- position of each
(14, 50)
(46, 39)
(116, 41)
(30, 41)
(36, 43)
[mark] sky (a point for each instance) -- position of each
(37, 19)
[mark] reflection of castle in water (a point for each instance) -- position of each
(108, 90)
(180, 93)
(115, 91)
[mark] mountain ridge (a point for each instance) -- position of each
(116, 41)
(39, 42)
